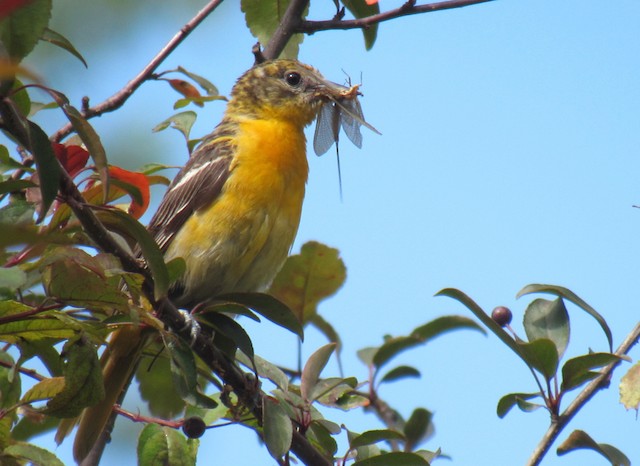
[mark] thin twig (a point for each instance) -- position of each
(293, 23)
(585, 395)
(119, 98)
(409, 8)
(28, 372)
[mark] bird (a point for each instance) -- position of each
(232, 212)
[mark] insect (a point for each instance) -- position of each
(345, 112)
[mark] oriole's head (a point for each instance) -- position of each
(284, 90)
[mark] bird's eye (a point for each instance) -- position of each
(293, 78)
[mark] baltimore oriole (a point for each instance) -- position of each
(233, 211)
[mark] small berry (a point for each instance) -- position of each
(193, 427)
(502, 316)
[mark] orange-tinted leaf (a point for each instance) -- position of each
(136, 185)
(186, 89)
(73, 158)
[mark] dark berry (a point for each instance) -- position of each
(193, 427)
(502, 316)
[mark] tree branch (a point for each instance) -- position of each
(602, 381)
(289, 25)
(409, 8)
(247, 389)
(119, 98)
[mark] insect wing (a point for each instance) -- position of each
(349, 123)
(327, 128)
(352, 108)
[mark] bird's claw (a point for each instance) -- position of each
(191, 324)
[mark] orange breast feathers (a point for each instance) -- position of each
(239, 242)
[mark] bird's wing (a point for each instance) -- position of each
(198, 184)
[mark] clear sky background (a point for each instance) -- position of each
(509, 156)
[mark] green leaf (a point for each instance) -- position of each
(11, 279)
(176, 268)
(49, 171)
(44, 390)
(83, 385)
(577, 371)
(20, 32)
(421, 335)
(444, 324)
(29, 427)
(45, 351)
(374, 436)
(20, 98)
(278, 429)
(78, 279)
(321, 438)
(185, 374)
(366, 355)
(542, 355)
(266, 369)
(269, 307)
(630, 388)
(205, 84)
(32, 454)
(6, 162)
(548, 319)
(392, 347)
(157, 387)
(59, 40)
(351, 400)
(512, 399)
(400, 372)
(121, 222)
(91, 140)
(484, 318)
(162, 445)
(575, 299)
(230, 328)
(16, 219)
(10, 186)
(360, 9)
(263, 18)
(327, 330)
(10, 385)
(182, 121)
(308, 278)
(32, 328)
(579, 439)
(181, 103)
(396, 458)
(418, 427)
(311, 372)
(329, 391)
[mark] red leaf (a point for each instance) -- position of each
(186, 89)
(137, 181)
(73, 158)
(8, 6)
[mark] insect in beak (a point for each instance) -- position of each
(343, 109)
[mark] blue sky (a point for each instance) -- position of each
(509, 156)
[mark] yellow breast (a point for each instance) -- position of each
(239, 242)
